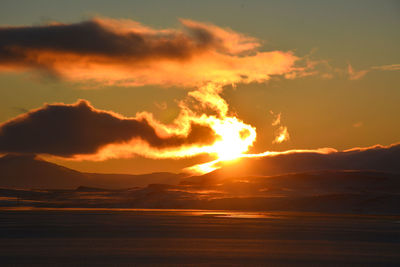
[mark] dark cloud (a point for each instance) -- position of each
(124, 52)
(67, 130)
(23, 45)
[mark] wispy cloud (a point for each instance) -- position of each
(387, 67)
(358, 124)
(282, 132)
(355, 75)
(359, 74)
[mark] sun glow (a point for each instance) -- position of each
(236, 138)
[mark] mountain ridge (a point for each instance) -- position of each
(27, 181)
(30, 171)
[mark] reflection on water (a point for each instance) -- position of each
(174, 237)
(235, 214)
(228, 214)
(181, 212)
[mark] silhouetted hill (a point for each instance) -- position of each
(29, 171)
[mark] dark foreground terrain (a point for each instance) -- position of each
(105, 237)
(350, 192)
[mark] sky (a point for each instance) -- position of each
(315, 73)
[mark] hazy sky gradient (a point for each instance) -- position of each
(333, 111)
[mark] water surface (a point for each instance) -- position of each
(126, 237)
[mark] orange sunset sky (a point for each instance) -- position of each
(134, 87)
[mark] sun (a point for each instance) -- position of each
(227, 152)
(235, 138)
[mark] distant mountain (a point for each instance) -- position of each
(361, 181)
(29, 171)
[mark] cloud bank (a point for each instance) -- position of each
(80, 129)
(124, 52)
